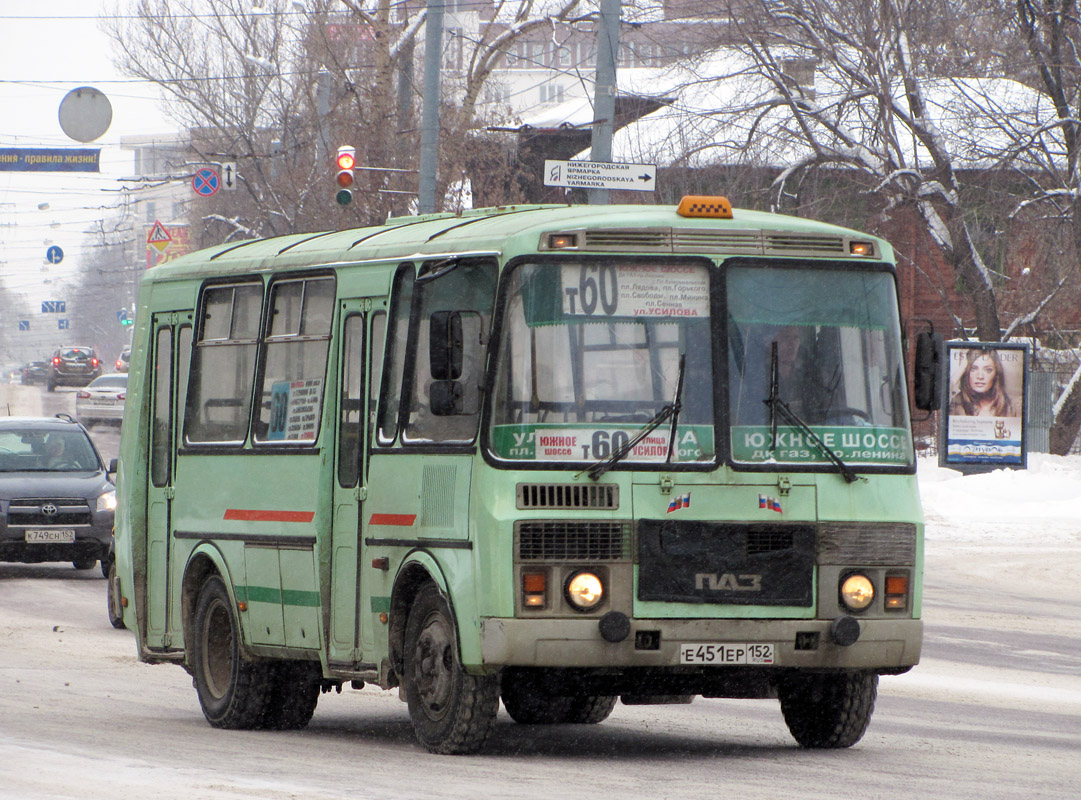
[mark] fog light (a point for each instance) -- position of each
(896, 592)
(857, 592)
(585, 591)
(534, 589)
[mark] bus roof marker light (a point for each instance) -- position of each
(861, 248)
(699, 205)
(562, 241)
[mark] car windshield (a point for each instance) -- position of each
(46, 450)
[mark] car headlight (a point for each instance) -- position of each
(857, 591)
(585, 591)
(107, 501)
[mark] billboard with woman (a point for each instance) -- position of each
(985, 406)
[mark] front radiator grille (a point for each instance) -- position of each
(768, 541)
(31, 512)
(567, 495)
(569, 540)
(867, 543)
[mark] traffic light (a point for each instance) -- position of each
(347, 159)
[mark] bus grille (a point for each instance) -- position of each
(699, 240)
(567, 495)
(867, 543)
(42, 512)
(559, 540)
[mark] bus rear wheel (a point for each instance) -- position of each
(828, 711)
(112, 596)
(233, 691)
(452, 711)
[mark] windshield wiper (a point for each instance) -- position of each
(776, 404)
(669, 411)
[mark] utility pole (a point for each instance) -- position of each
(429, 131)
(604, 90)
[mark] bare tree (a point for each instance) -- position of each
(246, 84)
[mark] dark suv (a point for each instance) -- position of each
(73, 366)
(56, 496)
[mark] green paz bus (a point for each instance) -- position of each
(556, 456)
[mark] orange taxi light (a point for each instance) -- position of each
(700, 205)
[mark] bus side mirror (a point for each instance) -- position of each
(445, 345)
(926, 395)
(446, 398)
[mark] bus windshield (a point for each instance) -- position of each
(825, 343)
(590, 354)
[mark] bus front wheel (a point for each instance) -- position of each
(233, 691)
(452, 711)
(830, 710)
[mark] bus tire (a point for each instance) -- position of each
(294, 694)
(232, 690)
(828, 711)
(529, 702)
(452, 712)
(590, 709)
(112, 596)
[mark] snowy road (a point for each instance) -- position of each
(993, 711)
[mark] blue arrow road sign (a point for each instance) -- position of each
(54, 306)
(62, 324)
(54, 255)
(24, 324)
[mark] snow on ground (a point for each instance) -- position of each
(1039, 504)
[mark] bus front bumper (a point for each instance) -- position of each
(882, 644)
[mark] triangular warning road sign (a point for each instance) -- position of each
(159, 237)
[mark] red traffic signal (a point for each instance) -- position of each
(347, 159)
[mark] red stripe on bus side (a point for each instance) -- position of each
(404, 520)
(257, 515)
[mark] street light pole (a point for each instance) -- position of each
(604, 90)
(429, 131)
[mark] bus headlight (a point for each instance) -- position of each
(585, 591)
(857, 591)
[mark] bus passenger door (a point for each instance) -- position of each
(166, 378)
(360, 333)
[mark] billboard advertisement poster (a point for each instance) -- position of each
(985, 405)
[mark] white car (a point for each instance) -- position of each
(102, 400)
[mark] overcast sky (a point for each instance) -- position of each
(48, 48)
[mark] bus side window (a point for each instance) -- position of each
(394, 367)
(351, 401)
(295, 352)
(223, 364)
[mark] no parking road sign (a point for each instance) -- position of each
(206, 182)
